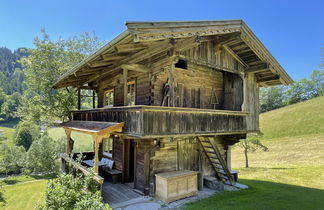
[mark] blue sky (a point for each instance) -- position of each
(293, 31)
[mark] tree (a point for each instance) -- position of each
(251, 144)
(10, 106)
(25, 133)
(11, 158)
(68, 192)
(272, 98)
(42, 155)
(45, 64)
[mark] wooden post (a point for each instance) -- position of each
(68, 137)
(125, 72)
(97, 140)
(244, 78)
(93, 99)
(172, 89)
(79, 99)
(228, 157)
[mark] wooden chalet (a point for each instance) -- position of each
(171, 96)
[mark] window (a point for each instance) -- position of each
(109, 97)
(131, 93)
(107, 147)
(182, 64)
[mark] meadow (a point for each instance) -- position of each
(291, 174)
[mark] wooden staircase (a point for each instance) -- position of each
(216, 160)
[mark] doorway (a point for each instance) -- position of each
(130, 161)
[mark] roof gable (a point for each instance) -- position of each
(139, 38)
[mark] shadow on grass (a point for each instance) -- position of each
(11, 180)
(264, 195)
(265, 168)
(45, 176)
(9, 123)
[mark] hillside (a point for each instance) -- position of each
(303, 118)
(291, 172)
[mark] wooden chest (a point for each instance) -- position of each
(175, 185)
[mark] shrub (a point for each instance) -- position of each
(25, 133)
(68, 192)
(12, 159)
(42, 155)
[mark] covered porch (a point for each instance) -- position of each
(96, 162)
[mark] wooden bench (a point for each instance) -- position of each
(115, 173)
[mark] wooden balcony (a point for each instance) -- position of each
(155, 121)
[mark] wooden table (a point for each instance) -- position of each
(175, 185)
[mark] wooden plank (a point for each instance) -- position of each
(135, 67)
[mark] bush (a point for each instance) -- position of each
(25, 134)
(68, 192)
(12, 159)
(43, 154)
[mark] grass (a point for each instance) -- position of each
(82, 143)
(303, 118)
(26, 195)
(8, 132)
(291, 174)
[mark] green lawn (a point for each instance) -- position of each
(291, 174)
(304, 118)
(8, 132)
(82, 142)
(26, 195)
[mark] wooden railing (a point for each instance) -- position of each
(155, 121)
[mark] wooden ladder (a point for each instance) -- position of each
(216, 160)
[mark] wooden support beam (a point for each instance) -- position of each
(135, 58)
(79, 99)
(129, 47)
(112, 57)
(97, 140)
(95, 64)
(93, 99)
(88, 87)
(187, 44)
(135, 67)
(232, 53)
(258, 68)
(68, 138)
(269, 79)
(125, 72)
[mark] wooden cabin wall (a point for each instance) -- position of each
(118, 152)
(251, 102)
(142, 88)
(233, 92)
(209, 52)
(196, 87)
(184, 154)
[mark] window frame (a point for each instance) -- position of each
(113, 100)
(129, 84)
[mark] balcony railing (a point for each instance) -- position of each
(154, 121)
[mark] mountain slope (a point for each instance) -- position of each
(303, 118)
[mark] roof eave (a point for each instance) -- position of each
(106, 47)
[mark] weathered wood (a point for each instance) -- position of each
(125, 77)
(81, 168)
(135, 67)
(168, 120)
(171, 186)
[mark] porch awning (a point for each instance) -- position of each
(93, 127)
(98, 130)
